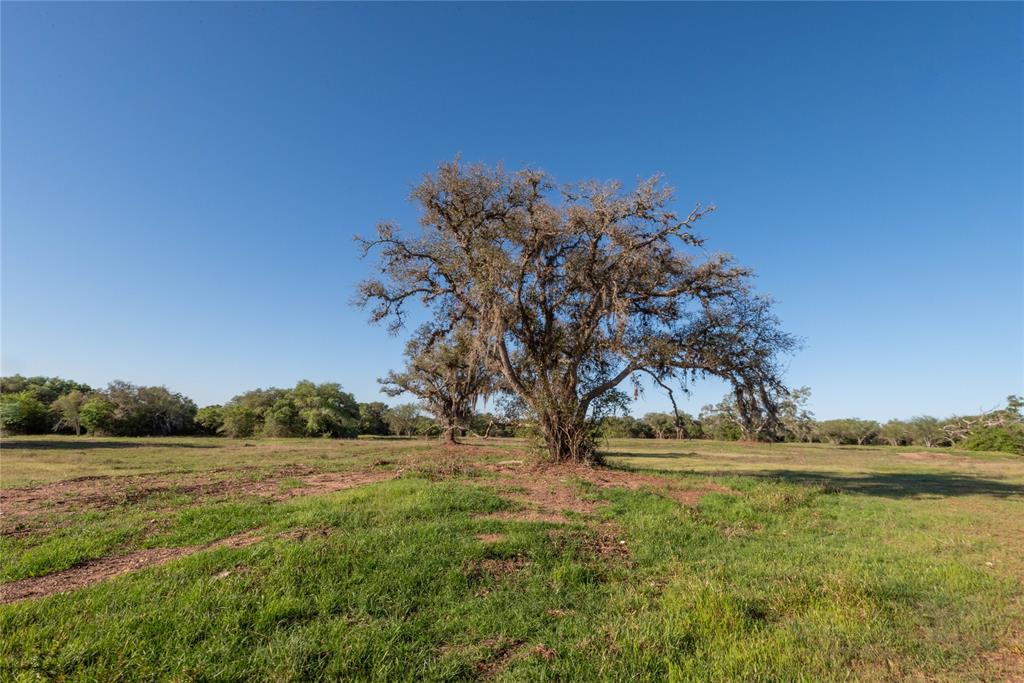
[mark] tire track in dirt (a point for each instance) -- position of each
(95, 571)
(103, 493)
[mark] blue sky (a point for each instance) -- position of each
(181, 182)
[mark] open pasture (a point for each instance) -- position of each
(394, 559)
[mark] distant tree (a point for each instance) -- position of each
(927, 431)
(491, 424)
(662, 424)
(69, 411)
(863, 431)
(572, 290)
(403, 419)
(447, 374)
(46, 390)
(308, 409)
(210, 419)
(426, 427)
(23, 413)
(373, 418)
(687, 427)
(241, 422)
(148, 411)
(625, 427)
(960, 427)
(796, 420)
(282, 419)
(97, 415)
(848, 431)
(721, 421)
(1008, 438)
(326, 410)
(245, 414)
(896, 433)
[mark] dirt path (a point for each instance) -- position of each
(108, 567)
(102, 493)
(99, 570)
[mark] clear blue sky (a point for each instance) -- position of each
(181, 182)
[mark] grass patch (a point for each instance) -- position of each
(763, 578)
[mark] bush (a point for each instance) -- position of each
(1005, 438)
(240, 422)
(97, 415)
(210, 420)
(23, 413)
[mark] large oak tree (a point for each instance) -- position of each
(570, 290)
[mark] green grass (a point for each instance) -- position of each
(823, 564)
(39, 460)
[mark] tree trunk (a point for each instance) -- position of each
(567, 438)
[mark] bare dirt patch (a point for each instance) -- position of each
(925, 456)
(610, 545)
(334, 481)
(526, 515)
(606, 542)
(1006, 663)
(18, 507)
(490, 538)
(495, 567)
(634, 481)
(503, 653)
(549, 493)
(100, 570)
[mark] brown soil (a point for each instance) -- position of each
(99, 570)
(19, 506)
(610, 545)
(1006, 663)
(505, 652)
(547, 493)
(924, 456)
(497, 567)
(333, 481)
(490, 538)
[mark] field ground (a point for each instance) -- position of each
(181, 558)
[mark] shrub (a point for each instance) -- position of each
(240, 422)
(97, 415)
(23, 413)
(210, 420)
(1004, 438)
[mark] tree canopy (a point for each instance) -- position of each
(570, 290)
(447, 375)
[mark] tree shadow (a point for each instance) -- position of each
(664, 456)
(392, 437)
(885, 484)
(890, 484)
(77, 445)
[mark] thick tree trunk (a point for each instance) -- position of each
(567, 438)
(449, 434)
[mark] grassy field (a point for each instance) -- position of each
(212, 559)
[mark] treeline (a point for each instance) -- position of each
(1001, 429)
(40, 405)
(43, 405)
